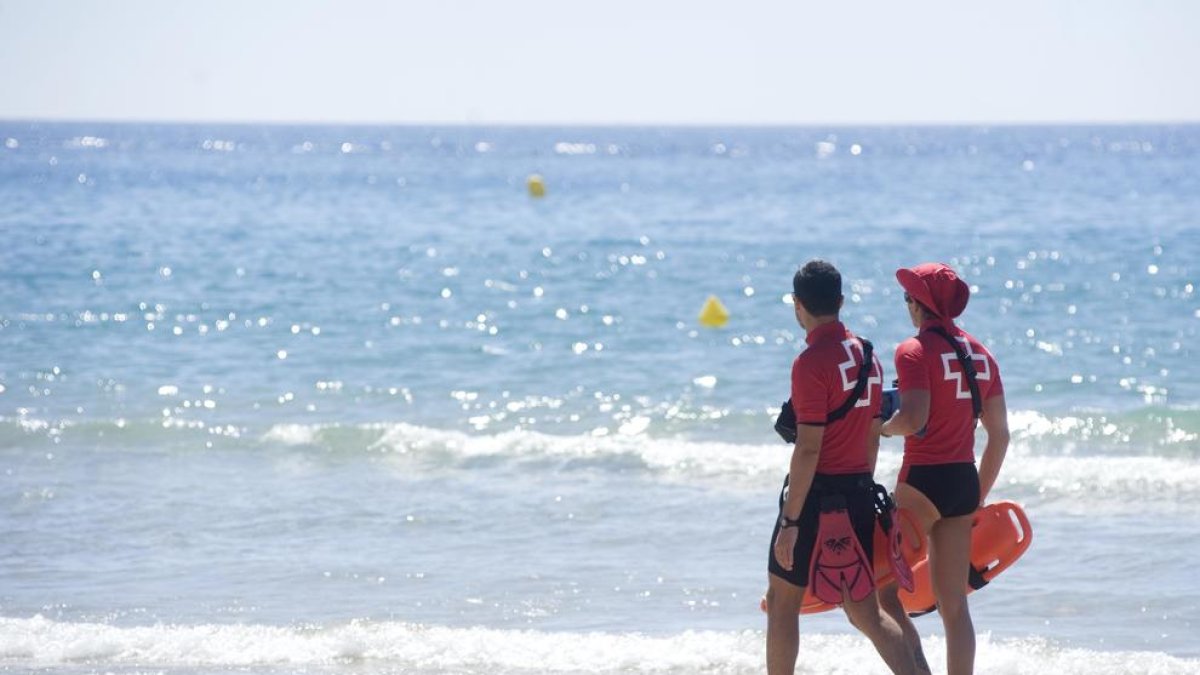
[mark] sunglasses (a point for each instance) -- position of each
(908, 298)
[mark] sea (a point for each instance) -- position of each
(349, 400)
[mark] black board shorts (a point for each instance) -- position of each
(953, 488)
(857, 489)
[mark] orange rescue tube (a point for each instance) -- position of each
(999, 536)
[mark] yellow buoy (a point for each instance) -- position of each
(713, 314)
(536, 185)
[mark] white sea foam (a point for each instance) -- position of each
(1141, 475)
(1026, 472)
(369, 646)
(668, 456)
(1172, 430)
(293, 434)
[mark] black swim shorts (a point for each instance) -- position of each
(953, 488)
(857, 489)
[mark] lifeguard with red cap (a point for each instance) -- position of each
(948, 383)
(937, 287)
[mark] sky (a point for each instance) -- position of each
(753, 62)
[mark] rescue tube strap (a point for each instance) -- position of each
(884, 506)
(860, 385)
(785, 422)
(968, 368)
(975, 578)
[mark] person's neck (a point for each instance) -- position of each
(931, 320)
(818, 321)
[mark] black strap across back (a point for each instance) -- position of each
(968, 368)
(864, 374)
(785, 423)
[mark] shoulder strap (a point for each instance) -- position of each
(968, 368)
(864, 374)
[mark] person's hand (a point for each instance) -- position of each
(785, 544)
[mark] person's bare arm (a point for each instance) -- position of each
(995, 422)
(873, 443)
(800, 476)
(912, 416)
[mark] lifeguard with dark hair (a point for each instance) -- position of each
(818, 287)
(836, 390)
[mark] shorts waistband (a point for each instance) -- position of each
(906, 467)
(906, 464)
(840, 482)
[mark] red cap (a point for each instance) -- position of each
(936, 286)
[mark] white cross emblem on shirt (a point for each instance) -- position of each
(962, 390)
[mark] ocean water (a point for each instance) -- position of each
(347, 400)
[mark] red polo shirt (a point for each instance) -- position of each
(823, 376)
(928, 362)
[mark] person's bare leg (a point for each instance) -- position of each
(889, 602)
(783, 625)
(882, 631)
(926, 514)
(949, 561)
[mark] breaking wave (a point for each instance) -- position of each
(365, 646)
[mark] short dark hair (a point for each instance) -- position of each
(818, 286)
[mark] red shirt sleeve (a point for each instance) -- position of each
(875, 389)
(910, 366)
(809, 398)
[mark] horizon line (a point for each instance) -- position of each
(591, 124)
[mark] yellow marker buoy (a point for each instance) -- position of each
(713, 314)
(536, 185)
